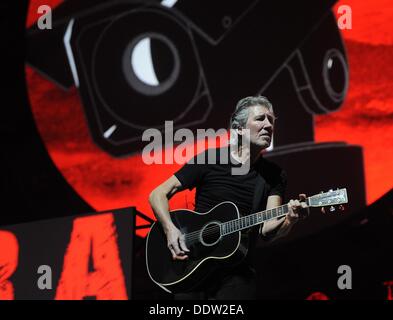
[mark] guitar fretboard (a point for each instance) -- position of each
(253, 219)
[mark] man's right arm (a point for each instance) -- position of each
(159, 201)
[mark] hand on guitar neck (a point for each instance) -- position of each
(298, 209)
(280, 227)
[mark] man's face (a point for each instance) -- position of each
(260, 123)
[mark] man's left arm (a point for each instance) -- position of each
(280, 227)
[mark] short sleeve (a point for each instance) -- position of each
(192, 173)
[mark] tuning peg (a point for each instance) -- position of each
(332, 209)
(341, 207)
(330, 190)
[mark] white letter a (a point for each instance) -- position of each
(345, 20)
(45, 281)
(44, 21)
(345, 281)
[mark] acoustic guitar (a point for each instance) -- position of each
(214, 239)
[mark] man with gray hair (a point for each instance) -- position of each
(251, 125)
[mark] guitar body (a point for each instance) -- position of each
(208, 250)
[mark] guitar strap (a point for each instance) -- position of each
(260, 193)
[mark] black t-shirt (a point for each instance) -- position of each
(215, 183)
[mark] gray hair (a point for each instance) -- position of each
(240, 116)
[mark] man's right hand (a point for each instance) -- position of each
(176, 243)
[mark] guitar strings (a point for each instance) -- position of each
(197, 232)
(195, 235)
(209, 230)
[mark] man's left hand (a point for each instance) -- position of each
(298, 209)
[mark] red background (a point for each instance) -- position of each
(365, 119)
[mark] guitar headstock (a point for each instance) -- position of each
(330, 199)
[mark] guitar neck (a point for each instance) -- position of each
(254, 219)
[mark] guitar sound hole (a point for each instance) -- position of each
(210, 234)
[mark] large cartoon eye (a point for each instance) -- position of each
(151, 64)
(144, 73)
